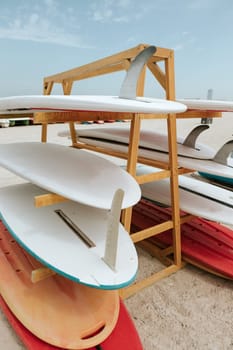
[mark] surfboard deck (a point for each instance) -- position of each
(205, 244)
(30, 103)
(123, 336)
(68, 237)
(75, 174)
(154, 146)
(102, 103)
(56, 310)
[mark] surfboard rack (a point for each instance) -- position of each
(161, 64)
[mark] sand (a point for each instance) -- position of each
(191, 309)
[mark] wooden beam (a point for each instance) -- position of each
(123, 155)
(75, 116)
(132, 160)
(106, 65)
(199, 114)
(141, 83)
(148, 281)
(173, 162)
(41, 273)
(48, 87)
(92, 68)
(48, 199)
(158, 73)
(67, 86)
(141, 179)
(151, 231)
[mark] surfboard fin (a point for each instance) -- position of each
(129, 87)
(111, 244)
(224, 153)
(190, 140)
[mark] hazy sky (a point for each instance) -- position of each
(43, 37)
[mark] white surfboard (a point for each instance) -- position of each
(208, 105)
(70, 238)
(196, 197)
(37, 103)
(75, 174)
(154, 146)
(148, 139)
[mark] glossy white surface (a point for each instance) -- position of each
(90, 103)
(75, 174)
(208, 201)
(148, 139)
(199, 159)
(48, 238)
(208, 105)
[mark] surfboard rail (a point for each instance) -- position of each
(154, 146)
(84, 244)
(80, 176)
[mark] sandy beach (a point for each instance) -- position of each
(191, 309)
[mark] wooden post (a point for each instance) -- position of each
(172, 143)
(132, 162)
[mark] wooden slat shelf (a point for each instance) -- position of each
(77, 116)
(117, 62)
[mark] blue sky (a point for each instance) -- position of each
(43, 37)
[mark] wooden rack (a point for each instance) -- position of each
(165, 77)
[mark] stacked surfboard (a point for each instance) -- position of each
(206, 244)
(64, 253)
(197, 196)
(67, 253)
(64, 258)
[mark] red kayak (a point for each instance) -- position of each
(204, 243)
